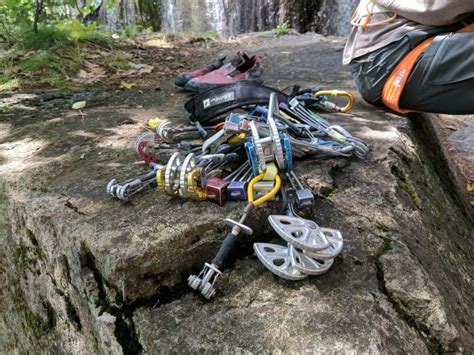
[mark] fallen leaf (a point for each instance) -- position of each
(136, 66)
(82, 74)
(145, 70)
(78, 105)
(125, 85)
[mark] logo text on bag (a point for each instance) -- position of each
(216, 100)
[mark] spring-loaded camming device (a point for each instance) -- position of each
(205, 282)
(124, 190)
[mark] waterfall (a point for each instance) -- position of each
(216, 15)
(231, 17)
(125, 13)
(224, 16)
(193, 16)
(171, 17)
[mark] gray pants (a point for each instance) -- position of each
(442, 80)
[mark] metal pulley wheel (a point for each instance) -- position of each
(172, 174)
(188, 165)
(274, 134)
(145, 136)
(145, 147)
(164, 131)
(263, 147)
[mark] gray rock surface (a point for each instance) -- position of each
(415, 294)
(258, 313)
(73, 257)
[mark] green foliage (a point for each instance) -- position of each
(51, 67)
(117, 61)
(150, 13)
(52, 60)
(90, 32)
(8, 85)
(45, 38)
(171, 37)
(131, 31)
(65, 35)
(88, 9)
(407, 185)
(211, 36)
(42, 61)
(112, 4)
(8, 79)
(46, 42)
(28, 14)
(17, 13)
(282, 29)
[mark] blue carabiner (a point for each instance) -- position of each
(252, 156)
(287, 153)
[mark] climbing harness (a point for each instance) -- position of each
(398, 78)
(248, 155)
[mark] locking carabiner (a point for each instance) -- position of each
(265, 197)
(337, 93)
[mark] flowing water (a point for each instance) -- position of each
(234, 17)
(230, 17)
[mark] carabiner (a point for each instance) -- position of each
(348, 95)
(267, 196)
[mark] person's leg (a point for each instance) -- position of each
(442, 80)
(371, 70)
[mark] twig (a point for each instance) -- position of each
(8, 36)
(38, 12)
(78, 8)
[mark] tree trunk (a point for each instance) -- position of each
(38, 12)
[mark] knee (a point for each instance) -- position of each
(369, 86)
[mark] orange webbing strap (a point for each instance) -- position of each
(393, 88)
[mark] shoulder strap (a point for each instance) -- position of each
(206, 107)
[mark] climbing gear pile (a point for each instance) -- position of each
(240, 149)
